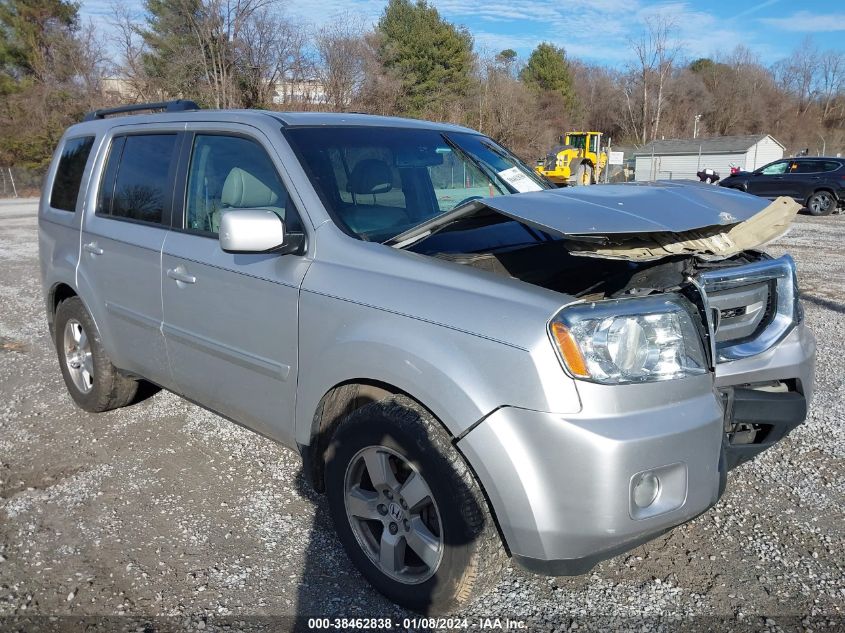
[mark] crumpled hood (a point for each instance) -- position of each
(662, 218)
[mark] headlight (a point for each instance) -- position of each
(628, 340)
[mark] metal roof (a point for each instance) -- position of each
(714, 145)
(292, 119)
(295, 119)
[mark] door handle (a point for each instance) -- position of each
(180, 274)
(92, 248)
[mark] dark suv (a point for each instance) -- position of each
(817, 183)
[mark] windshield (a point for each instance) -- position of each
(578, 141)
(377, 182)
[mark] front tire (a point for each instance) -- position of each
(91, 379)
(583, 175)
(407, 509)
(821, 203)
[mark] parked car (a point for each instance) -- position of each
(473, 365)
(816, 183)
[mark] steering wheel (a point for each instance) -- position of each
(465, 200)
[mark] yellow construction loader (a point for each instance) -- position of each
(576, 160)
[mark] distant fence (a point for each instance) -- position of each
(20, 182)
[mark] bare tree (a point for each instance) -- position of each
(799, 71)
(831, 81)
(341, 51)
(272, 53)
(127, 40)
(382, 88)
(655, 51)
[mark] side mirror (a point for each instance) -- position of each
(256, 231)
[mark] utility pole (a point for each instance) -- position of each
(695, 126)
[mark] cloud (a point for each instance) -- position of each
(754, 8)
(804, 21)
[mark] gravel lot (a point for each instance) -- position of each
(163, 516)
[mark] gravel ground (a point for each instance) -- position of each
(162, 516)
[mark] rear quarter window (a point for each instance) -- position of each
(68, 178)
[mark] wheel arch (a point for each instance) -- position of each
(59, 291)
(337, 403)
(816, 190)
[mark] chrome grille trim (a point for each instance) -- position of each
(784, 307)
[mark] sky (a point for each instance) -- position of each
(598, 31)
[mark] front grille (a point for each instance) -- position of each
(741, 312)
(748, 309)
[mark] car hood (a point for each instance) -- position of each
(641, 213)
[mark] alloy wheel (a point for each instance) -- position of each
(78, 357)
(393, 514)
(821, 202)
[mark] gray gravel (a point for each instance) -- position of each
(162, 516)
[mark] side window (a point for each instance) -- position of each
(136, 178)
(69, 173)
(809, 167)
(232, 172)
(831, 165)
(775, 168)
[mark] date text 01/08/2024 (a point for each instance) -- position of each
(505, 624)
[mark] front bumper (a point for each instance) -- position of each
(561, 486)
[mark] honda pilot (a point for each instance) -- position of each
(474, 365)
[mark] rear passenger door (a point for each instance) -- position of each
(121, 247)
(230, 320)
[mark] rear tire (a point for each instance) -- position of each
(91, 379)
(821, 203)
(396, 486)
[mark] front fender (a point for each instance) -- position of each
(460, 377)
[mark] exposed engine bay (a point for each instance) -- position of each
(601, 245)
(551, 265)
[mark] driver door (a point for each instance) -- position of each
(230, 321)
(770, 180)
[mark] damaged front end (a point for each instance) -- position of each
(691, 252)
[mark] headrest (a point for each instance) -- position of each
(242, 190)
(370, 176)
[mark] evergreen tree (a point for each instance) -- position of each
(432, 57)
(31, 32)
(48, 77)
(548, 70)
(172, 59)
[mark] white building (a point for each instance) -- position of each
(674, 159)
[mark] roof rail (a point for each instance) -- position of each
(179, 105)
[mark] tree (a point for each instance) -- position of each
(655, 52)
(32, 31)
(195, 47)
(272, 53)
(50, 71)
(433, 57)
(548, 70)
(170, 58)
(341, 50)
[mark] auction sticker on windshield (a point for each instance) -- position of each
(518, 180)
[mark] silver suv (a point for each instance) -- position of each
(473, 364)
